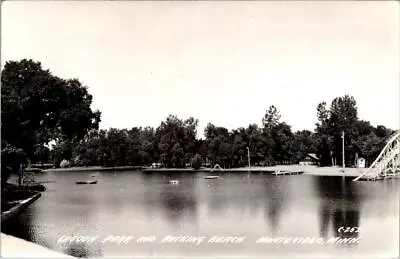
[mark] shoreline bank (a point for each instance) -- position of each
(94, 168)
(18, 206)
(307, 170)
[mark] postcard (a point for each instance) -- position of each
(200, 129)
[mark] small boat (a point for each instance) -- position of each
(86, 182)
(93, 175)
(174, 182)
(212, 177)
(279, 172)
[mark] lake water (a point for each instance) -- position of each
(135, 204)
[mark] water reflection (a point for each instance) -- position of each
(21, 226)
(339, 206)
(217, 195)
(179, 200)
(82, 249)
(276, 193)
(135, 203)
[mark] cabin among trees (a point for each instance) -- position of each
(310, 159)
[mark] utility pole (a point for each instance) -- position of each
(343, 151)
(248, 156)
(20, 175)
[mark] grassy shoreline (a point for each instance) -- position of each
(309, 170)
(15, 199)
(93, 168)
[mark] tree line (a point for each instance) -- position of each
(39, 107)
(174, 143)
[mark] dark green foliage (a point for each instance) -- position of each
(361, 137)
(174, 142)
(197, 161)
(272, 117)
(11, 158)
(38, 107)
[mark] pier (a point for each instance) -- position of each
(287, 172)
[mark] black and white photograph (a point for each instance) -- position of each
(200, 129)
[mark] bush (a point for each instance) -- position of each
(64, 164)
(197, 161)
(11, 159)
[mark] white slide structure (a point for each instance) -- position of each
(387, 164)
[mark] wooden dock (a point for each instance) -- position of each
(371, 179)
(287, 172)
(207, 170)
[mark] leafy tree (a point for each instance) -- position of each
(272, 117)
(322, 113)
(383, 132)
(267, 146)
(148, 149)
(176, 138)
(324, 142)
(255, 143)
(277, 139)
(88, 150)
(283, 138)
(197, 161)
(239, 141)
(361, 137)
(11, 158)
(343, 118)
(134, 153)
(304, 142)
(218, 145)
(41, 154)
(38, 107)
(176, 154)
(63, 150)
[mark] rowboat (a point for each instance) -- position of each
(86, 182)
(211, 177)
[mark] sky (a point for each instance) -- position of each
(220, 62)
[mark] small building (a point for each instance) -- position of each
(361, 162)
(156, 165)
(310, 159)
